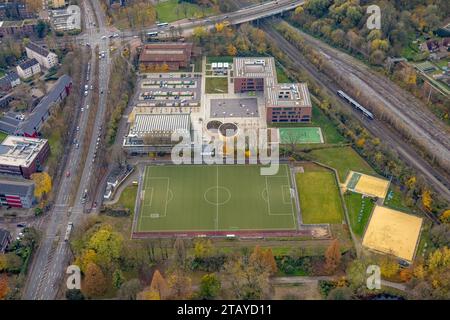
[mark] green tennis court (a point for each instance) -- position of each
(215, 198)
(301, 135)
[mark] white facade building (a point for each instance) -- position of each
(28, 68)
(66, 19)
(45, 58)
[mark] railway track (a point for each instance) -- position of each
(421, 124)
(436, 178)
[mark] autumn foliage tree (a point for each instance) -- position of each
(209, 286)
(43, 184)
(158, 289)
(332, 256)
(264, 260)
(431, 279)
(427, 200)
(4, 286)
(95, 283)
(180, 285)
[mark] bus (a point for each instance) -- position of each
(162, 24)
(152, 34)
(68, 231)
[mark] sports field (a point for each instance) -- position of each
(367, 185)
(319, 197)
(301, 135)
(229, 198)
(393, 232)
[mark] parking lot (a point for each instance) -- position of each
(172, 90)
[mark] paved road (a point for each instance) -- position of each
(48, 268)
(185, 27)
(378, 128)
(299, 280)
(53, 255)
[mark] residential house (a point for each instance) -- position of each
(28, 68)
(46, 58)
(22, 28)
(9, 81)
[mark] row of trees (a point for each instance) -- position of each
(343, 22)
(136, 14)
(385, 160)
(105, 258)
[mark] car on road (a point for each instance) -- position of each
(104, 37)
(77, 145)
(95, 205)
(68, 174)
(85, 93)
(78, 128)
(21, 225)
(82, 109)
(92, 87)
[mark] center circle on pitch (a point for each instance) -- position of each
(217, 195)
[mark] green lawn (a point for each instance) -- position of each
(359, 210)
(228, 59)
(2, 136)
(329, 131)
(56, 148)
(394, 199)
(282, 77)
(228, 198)
(300, 135)
(343, 159)
(128, 198)
(217, 85)
(319, 197)
(171, 10)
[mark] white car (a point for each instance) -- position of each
(104, 37)
(82, 109)
(87, 106)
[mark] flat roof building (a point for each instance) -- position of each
(16, 193)
(66, 19)
(22, 156)
(285, 102)
(175, 55)
(46, 58)
(153, 132)
(28, 68)
(9, 81)
(31, 126)
(20, 28)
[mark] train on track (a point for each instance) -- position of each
(356, 105)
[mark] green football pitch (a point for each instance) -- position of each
(301, 135)
(215, 198)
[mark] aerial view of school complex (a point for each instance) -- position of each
(203, 150)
